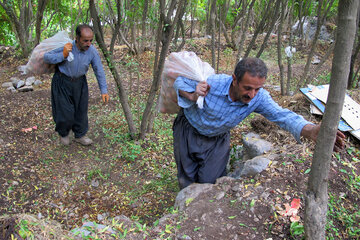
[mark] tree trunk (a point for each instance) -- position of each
(143, 27)
(122, 93)
(320, 21)
(271, 27)
(316, 197)
(244, 30)
(39, 17)
(354, 55)
(21, 23)
(259, 28)
(289, 59)
(279, 47)
(238, 21)
(212, 29)
(165, 33)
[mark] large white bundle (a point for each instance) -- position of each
(36, 64)
(186, 64)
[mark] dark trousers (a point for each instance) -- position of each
(69, 101)
(199, 158)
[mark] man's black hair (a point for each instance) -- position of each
(80, 27)
(254, 66)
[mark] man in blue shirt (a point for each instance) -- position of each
(202, 136)
(69, 89)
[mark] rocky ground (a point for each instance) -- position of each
(48, 190)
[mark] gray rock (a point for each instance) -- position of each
(7, 84)
(29, 81)
(309, 29)
(26, 89)
(37, 82)
(20, 84)
(11, 89)
(15, 81)
(191, 192)
(255, 146)
(95, 183)
(80, 232)
(254, 166)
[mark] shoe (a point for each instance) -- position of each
(65, 140)
(84, 140)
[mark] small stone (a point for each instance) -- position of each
(14, 81)
(20, 84)
(7, 84)
(95, 183)
(11, 89)
(37, 82)
(29, 81)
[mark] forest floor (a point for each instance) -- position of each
(119, 176)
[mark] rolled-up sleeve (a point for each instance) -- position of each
(187, 85)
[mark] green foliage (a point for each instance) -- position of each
(296, 230)
(7, 36)
(339, 215)
(24, 231)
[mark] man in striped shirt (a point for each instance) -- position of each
(202, 136)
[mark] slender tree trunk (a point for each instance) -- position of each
(238, 21)
(122, 93)
(166, 32)
(271, 27)
(143, 27)
(279, 47)
(354, 55)
(244, 30)
(20, 23)
(320, 21)
(259, 27)
(39, 17)
(316, 196)
(289, 59)
(212, 29)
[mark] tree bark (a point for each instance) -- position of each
(289, 59)
(259, 28)
(212, 29)
(21, 23)
(279, 47)
(143, 27)
(122, 93)
(320, 21)
(354, 55)
(271, 27)
(39, 17)
(165, 33)
(316, 197)
(244, 30)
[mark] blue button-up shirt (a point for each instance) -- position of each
(80, 65)
(220, 113)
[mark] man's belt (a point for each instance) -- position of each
(73, 79)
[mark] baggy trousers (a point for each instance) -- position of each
(199, 158)
(69, 101)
